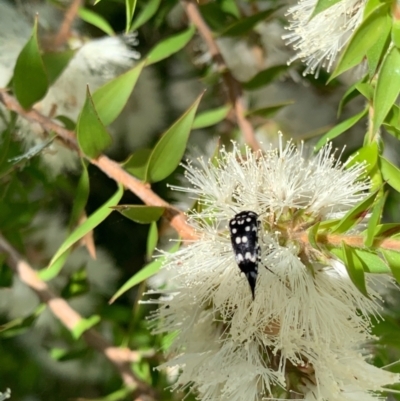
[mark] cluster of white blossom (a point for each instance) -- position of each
(5, 395)
(318, 39)
(305, 330)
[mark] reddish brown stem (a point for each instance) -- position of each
(121, 358)
(108, 166)
(65, 28)
(234, 88)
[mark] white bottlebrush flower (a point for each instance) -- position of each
(5, 395)
(318, 40)
(302, 328)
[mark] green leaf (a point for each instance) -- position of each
(393, 260)
(169, 150)
(92, 221)
(150, 270)
(21, 324)
(77, 284)
(355, 214)
(244, 25)
(374, 221)
(390, 173)
(387, 230)
(140, 213)
(80, 197)
(55, 62)
(392, 121)
(93, 138)
(372, 263)
(387, 87)
(110, 99)
(96, 20)
(54, 269)
(149, 9)
(365, 89)
(396, 32)
(31, 152)
(365, 36)
(268, 111)
(152, 239)
(30, 79)
(170, 46)
(368, 155)
(84, 325)
(130, 6)
(378, 49)
(360, 87)
(340, 129)
(63, 355)
(323, 5)
(211, 117)
(355, 268)
(137, 163)
(312, 235)
(265, 77)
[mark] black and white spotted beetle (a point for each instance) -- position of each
(244, 237)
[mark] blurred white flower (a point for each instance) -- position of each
(5, 395)
(302, 329)
(318, 40)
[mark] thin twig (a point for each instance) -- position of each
(234, 88)
(65, 29)
(111, 168)
(121, 358)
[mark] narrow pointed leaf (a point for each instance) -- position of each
(396, 33)
(93, 221)
(30, 78)
(368, 155)
(367, 33)
(130, 6)
(393, 260)
(340, 129)
(390, 173)
(387, 230)
(96, 20)
(372, 262)
(312, 235)
(355, 268)
(268, 111)
(211, 117)
(378, 50)
(152, 239)
(148, 10)
(356, 214)
(323, 5)
(169, 150)
(111, 98)
(56, 62)
(93, 137)
(374, 221)
(137, 163)
(265, 77)
(21, 324)
(170, 46)
(80, 198)
(52, 271)
(84, 325)
(244, 25)
(150, 270)
(140, 213)
(387, 88)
